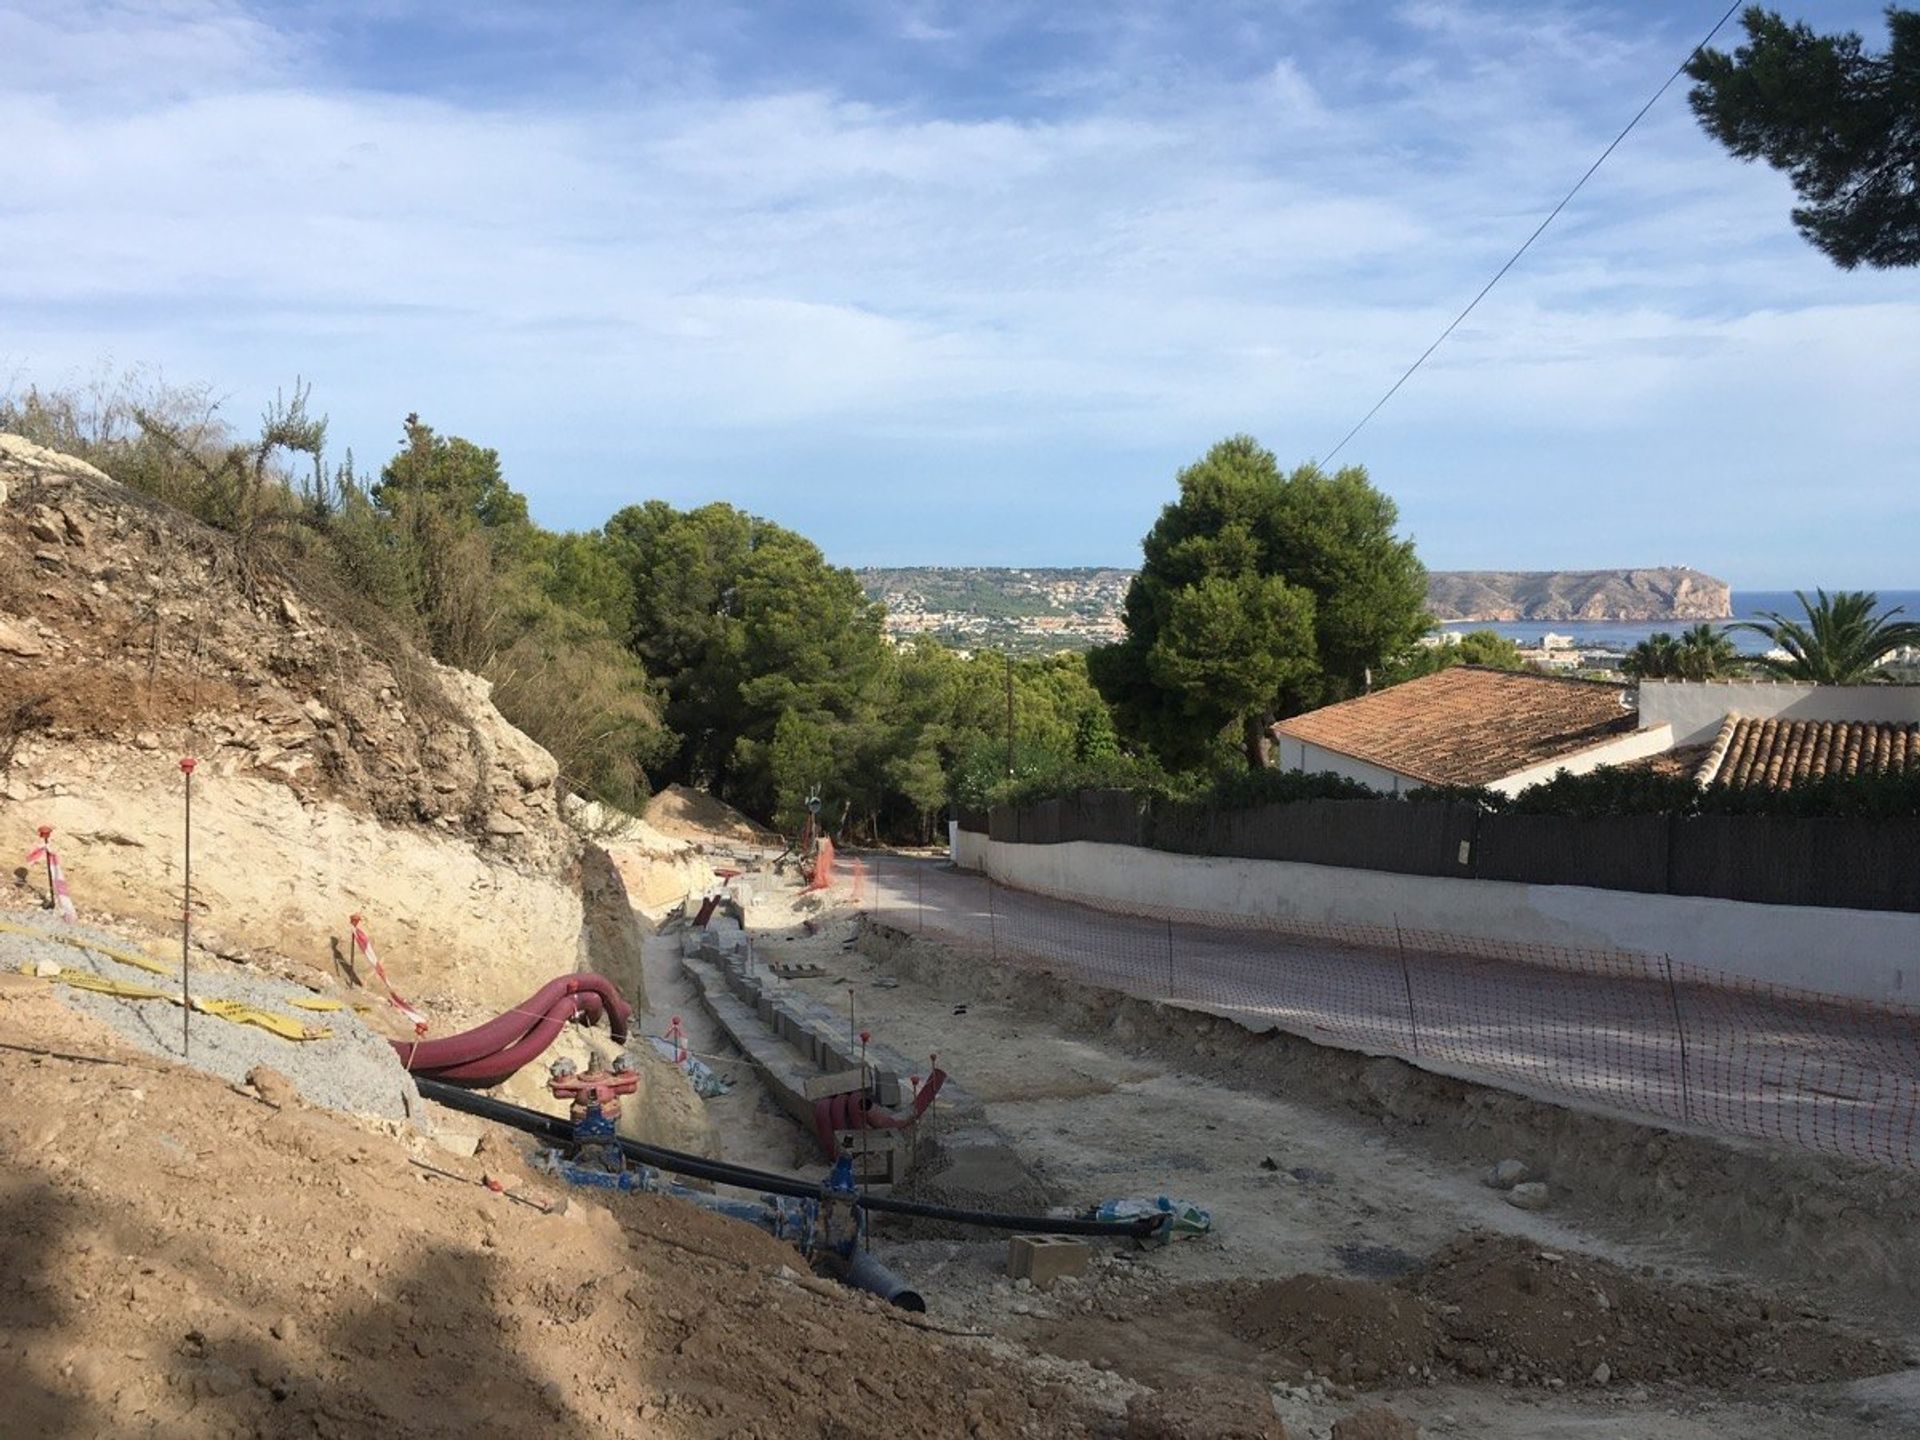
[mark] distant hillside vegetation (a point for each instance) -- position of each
(1663, 593)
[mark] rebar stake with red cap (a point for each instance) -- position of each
(866, 1150)
(46, 845)
(186, 911)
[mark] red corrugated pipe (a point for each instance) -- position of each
(855, 1110)
(489, 1053)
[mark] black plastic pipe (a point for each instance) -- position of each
(721, 1172)
(863, 1272)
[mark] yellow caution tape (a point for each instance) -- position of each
(241, 1013)
(314, 1003)
(104, 985)
(79, 942)
(237, 1011)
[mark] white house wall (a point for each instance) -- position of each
(1863, 954)
(1635, 745)
(1695, 708)
(1292, 754)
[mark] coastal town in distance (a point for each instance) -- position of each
(1574, 621)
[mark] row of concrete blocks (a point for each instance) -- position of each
(785, 1078)
(880, 1157)
(811, 1028)
(749, 1006)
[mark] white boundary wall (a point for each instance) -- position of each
(1863, 954)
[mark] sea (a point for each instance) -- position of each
(1621, 636)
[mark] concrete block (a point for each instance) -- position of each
(842, 1083)
(1043, 1259)
(832, 1050)
(807, 1041)
(876, 1154)
(887, 1086)
(763, 1007)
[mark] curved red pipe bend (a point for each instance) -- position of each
(848, 1111)
(486, 1038)
(507, 1040)
(494, 1068)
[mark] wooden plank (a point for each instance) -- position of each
(797, 970)
(819, 1087)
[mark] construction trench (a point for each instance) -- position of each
(1119, 1189)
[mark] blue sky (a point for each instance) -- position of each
(967, 283)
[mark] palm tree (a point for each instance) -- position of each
(1655, 658)
(1705, 653)
(1843, 638)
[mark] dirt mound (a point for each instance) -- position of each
(658, 870)
(969, 1167)
(695, 816)
(1507, 1308)
(1218, 1410)
(183, 1259)
(1484, 1308)
(1347, 1329)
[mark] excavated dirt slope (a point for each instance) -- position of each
(336, 774)
(182, 1258)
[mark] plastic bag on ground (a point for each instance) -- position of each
(1178, 1218)
(706, 1084)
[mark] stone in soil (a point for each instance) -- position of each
(1506, 1174)
(1204, 1411)
(1529, 1196)
(1375, 1423)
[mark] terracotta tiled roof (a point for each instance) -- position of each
(1467, 725)
(1682, 761)
(1779, 752)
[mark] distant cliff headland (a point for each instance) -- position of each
(1662, 593)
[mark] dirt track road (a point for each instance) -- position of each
(1618, 1034)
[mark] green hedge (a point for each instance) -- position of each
(1242, 790)
(1607, 792)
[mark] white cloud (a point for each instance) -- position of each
(1134, 266)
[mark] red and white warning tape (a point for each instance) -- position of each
(365, 947)
(62, 896)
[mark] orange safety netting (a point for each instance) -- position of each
(822, 866)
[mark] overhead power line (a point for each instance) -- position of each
(1526, 245)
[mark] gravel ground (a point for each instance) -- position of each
(354, 1070)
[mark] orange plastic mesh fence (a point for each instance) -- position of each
(1632, 1033)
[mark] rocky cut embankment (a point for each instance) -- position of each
(337, 774)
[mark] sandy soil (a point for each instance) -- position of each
(695, 816)
(183, 1259)
(1297, 1187)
